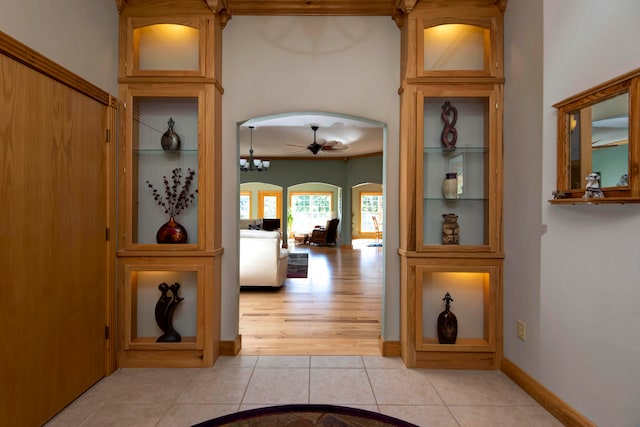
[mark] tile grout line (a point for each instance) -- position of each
(375, 398)
(88, 417)
(175, 400)
(246, 388)
(309, 382)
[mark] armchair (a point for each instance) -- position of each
(327, 235)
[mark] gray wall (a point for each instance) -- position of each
(343, 174)
(80, 35)
(571, 272)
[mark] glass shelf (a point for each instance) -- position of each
(449, 153)
(152, 151)
(151, 116)
(453, 201)
(468, 159)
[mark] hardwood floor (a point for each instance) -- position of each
(336, 310)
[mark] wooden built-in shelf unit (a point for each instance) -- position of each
(453, 56)
(169, 71)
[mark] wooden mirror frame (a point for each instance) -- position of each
(629, 82)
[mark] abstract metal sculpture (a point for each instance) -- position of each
(165, 307)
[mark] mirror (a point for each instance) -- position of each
(599, 137)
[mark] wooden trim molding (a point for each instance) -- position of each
(502, 5)
(552, 403)
(389, 348)
(23, 54)
(231, 348)
(405, 6)
(306, 7)
(172, 79)
(120, 4)
(217, 5)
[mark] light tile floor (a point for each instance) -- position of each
(183, 397)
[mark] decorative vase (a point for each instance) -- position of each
(171, 232)
(170, 140)
(447, 323)
(450, 186)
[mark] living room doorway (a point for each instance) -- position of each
(334, 309)
(346, 285)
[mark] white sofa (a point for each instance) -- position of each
(263, 262)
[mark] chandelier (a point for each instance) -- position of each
(251, 164)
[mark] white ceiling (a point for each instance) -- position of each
(288, 135)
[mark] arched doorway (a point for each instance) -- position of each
(359, 77)
(296, 171)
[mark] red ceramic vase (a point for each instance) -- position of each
(171, 232)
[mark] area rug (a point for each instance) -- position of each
(298, 265)
(305, 415)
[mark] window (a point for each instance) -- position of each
(310, 209)
(245, 205)
(370, 206)
(269, 204)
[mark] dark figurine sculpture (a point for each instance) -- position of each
(557, 194)
(165, 307)
(447, 323)
(593, 187)
(449, 134)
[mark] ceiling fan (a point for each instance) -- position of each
(322, 145)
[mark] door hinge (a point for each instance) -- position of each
(107, 135)
(108, 234)
(106, 332)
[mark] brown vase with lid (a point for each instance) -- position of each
(170, 140)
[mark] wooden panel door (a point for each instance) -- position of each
(54, 263)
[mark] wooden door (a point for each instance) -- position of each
(54, 262)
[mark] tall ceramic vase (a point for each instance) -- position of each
(450, 186)
(171, 232)
(447, 323)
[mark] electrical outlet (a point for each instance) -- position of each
(522, 330)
